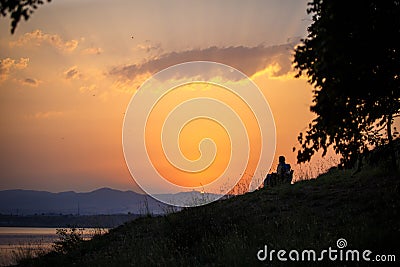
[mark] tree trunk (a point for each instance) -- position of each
(390, 140)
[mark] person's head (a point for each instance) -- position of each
(281, 159)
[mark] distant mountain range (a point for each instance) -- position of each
(101, 201)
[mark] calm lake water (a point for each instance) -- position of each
(17, 241)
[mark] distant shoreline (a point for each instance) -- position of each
(64, 221)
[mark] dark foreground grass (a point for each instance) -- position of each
(313, 214)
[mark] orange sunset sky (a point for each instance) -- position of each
(68, 74)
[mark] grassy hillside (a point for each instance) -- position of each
(313, 214)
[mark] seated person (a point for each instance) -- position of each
(284, 174)
(284, 170)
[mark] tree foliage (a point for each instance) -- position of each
(351, 57)
(18, 9)
(68, 239)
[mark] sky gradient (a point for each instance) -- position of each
(68, 74)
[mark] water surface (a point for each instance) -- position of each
(19, 241)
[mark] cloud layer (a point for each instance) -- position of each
(45, 115)
(7, 65)
(37, 38)
(92, 51)
(249, 60)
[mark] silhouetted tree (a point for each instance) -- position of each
(352, 58)
(17, 9)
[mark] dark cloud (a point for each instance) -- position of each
(249, 60)
(30, 81)
(71, 73)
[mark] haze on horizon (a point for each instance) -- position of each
(68, 74)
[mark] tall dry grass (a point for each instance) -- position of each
(311, 170)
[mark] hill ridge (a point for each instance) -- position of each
(311, 214)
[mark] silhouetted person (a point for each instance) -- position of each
(284, 174)
(284, 170)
